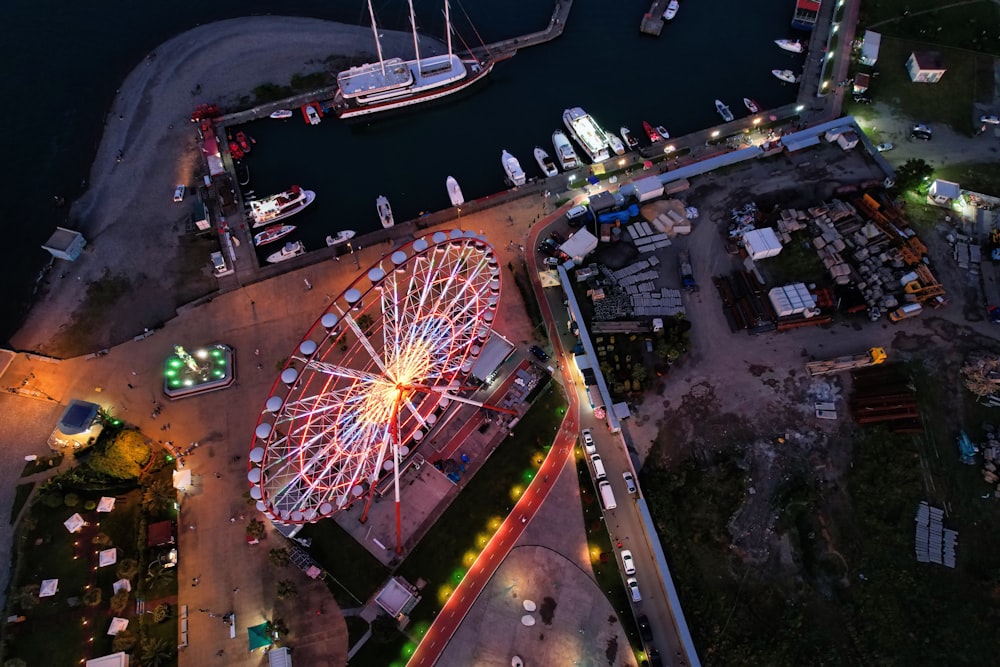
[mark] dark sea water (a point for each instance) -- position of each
(63, 62)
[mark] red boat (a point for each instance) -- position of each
(653, 135)
(235, 149)
(242, 139)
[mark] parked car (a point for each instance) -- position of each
(588, 442)
(576, 212)
(633, 587)
(539, 353)
(627, 562)
(552, 261)
(179, 193)
(922, 132)
(546, 249)
(630, 482)
(989, 120)
(645, 630)
(654, 658)
(881, 148)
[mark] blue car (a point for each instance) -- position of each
(539, 353)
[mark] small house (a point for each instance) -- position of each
(65, 244)
(925, 67)
(943, 193)
(847, 140)
(869, 48)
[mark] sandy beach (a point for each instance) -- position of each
(140, 265)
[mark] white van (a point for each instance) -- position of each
(607, 495)
(598, 464)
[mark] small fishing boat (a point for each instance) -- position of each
(281, 114)
(671, 11)
(287, 251)
(545, 163)
(511, 167)
(384, 211)
(653, 135)
(342, 236)
(785, 75)
(723, 110)
(662, 131)
(617, 146)
(751, 106)
(244, 143)
(630, 141)
(793, 45)
(454, 191)
(272, 234)
(567, 157)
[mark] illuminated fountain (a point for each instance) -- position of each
(206, 369)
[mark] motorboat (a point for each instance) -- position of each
(630, 141)
(287, 251)
(793, 45)
(313, 114)
(235, 150)
(617, 145)
(545, 163)
(588, 134)
(723, 110)
(454, 191)
(567, 157)
(276, 207)
(280, 114)
(785, 75)
(662, 131)
(653, 135)
(512, 168)
(244, 143)
(272, 234)
(384, 211)
(342, 236)
(393, 83)
(751, 106)
(671, 11)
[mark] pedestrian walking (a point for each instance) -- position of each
(236, 590)
(218, 475)
(130, 386)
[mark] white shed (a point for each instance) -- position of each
(944, 192)
(578, 246)
(761, 243)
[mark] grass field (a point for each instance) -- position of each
(965, 25)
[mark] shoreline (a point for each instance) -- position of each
(140, 265)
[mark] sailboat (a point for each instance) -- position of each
(394, 83)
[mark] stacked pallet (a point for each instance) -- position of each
(883, 395)
(933, 543)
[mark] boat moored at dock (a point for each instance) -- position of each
(287, 251)
(786, 75)
(312, 114)
(617, 146)
(512, 168)
(805, 15)
(342, 237)
(280, 114)
(793, 45)
(454, 191)
(671, 11)
(567, 157)
(652, 132)
(545, 163)
(723, 110)
(280, 206)
(272, 234)
(630, 141)
(384, 211)
(588, 134)
(751, 105)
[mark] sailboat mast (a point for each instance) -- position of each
(447, 25)
(378, 44)
(416, 45)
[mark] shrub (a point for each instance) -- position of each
(102, 540)
(127, 568)
(123, 457)
(125, 640)
(119, 601)
(92, 597)
(161, 613)
(52, 499)
(90, 505)
(71, 500)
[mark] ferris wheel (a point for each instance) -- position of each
(371, 377)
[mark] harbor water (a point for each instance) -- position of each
(65, 62)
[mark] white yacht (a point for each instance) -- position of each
(587, 133)
(513, 169)
(545, 163)
(616, 144)
(287, 251)
(564, 151)
(454, 191)
(384, 211)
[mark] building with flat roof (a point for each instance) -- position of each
(65, 244)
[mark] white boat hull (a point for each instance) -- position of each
(454, 191)
(567, 157)
(545, 163)
(341, 238)
(512, 168)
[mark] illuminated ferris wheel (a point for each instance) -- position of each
(371, 377)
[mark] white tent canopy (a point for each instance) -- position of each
(49, 588)
(117, 625)
(108, 557)
(122, 584)
(75, 523)
(182, 479)
(106, 505)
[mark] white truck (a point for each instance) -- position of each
(607, 495)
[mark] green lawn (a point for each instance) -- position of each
(356, 574)
(966, 25)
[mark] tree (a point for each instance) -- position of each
(124, 641)
(287, 589)
(256, 529)
(912, 173)
(161, 612)
(158, 496)
(160, 576)
(639, 375)
(119, 601)
(127, 568)
(155, 652)
(123, 457)
(92, 597)
(279, 557)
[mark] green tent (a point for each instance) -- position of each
(258, 637)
